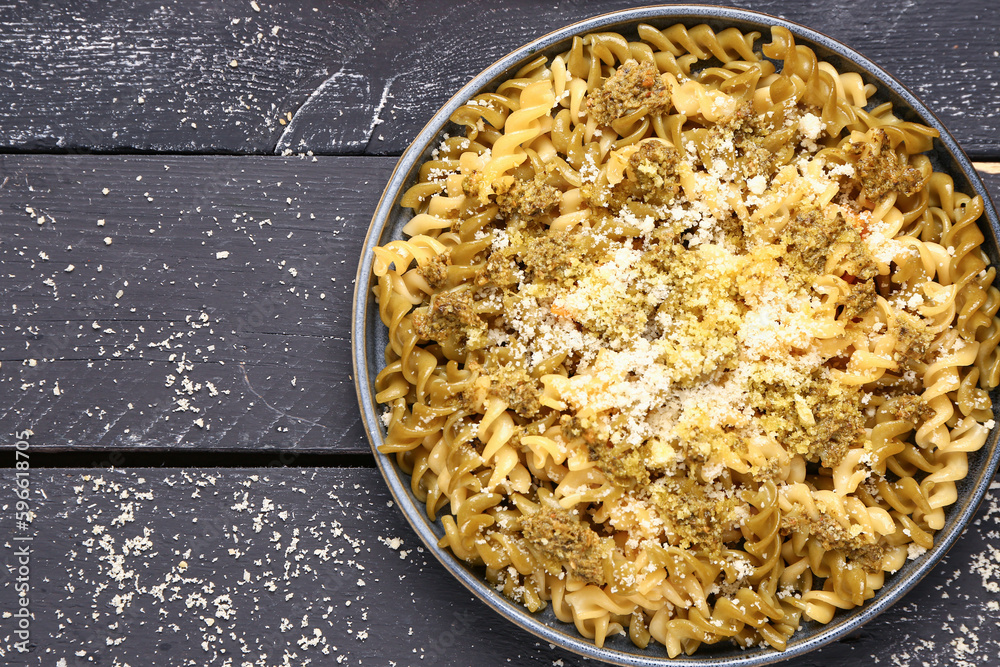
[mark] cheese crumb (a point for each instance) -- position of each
(811, 126)
(757, 184)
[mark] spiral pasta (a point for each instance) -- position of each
(686, 345)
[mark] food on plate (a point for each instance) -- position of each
(685, 344)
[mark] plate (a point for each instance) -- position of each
(369, 336)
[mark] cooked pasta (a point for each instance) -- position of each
(686, 345)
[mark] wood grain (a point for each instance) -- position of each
(208, 76)
(118, 353)
(217, 318)
(147, 567)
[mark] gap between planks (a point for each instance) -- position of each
(987, 167)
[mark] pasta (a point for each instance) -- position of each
(687, 345)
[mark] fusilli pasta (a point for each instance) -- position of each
(686, 345)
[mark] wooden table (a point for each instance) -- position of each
(184, 188)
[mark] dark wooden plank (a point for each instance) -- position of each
(161, 566)
(188, 76)
(155, 75)
(267, 326)
(158, 341)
